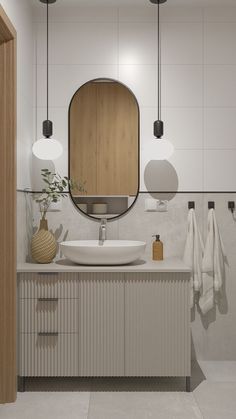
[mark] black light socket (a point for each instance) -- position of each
(47, 128)
(158, 1)
(158, 129)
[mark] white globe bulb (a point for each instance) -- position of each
(158, 149)
(47, 149)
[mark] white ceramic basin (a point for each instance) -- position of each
(112, 252)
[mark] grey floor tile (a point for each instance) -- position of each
(47, 406)
(218, 371)
(143, 405)
(216, 400)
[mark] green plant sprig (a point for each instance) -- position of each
(55, 189)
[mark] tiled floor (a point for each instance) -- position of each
(213, 396)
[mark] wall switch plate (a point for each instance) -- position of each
(150, 204)
(162, 206)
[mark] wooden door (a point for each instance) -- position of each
(7, 210)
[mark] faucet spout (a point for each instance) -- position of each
(102, 232)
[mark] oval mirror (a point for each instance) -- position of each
(104, 148)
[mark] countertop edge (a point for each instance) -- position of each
(168, 265)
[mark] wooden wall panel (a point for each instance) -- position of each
(7, 210)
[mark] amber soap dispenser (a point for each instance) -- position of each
(157, 248)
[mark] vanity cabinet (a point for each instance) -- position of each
(104, 324)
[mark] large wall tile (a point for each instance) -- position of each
(182, 13)
(189, 167)
(220, 43)
(137, 14)
(182, 126)
(62, 13)
(219, 127)
(220, 13)
(220, 86)
(219, 170)
(142, 80)
(66, 79)
(182, 85)
(187, 164)
(182, 43)
(83, 43)
(148, 13)
(137, 43)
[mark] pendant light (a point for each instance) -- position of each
(47, 148)
(160, 148)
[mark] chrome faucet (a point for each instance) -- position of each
(102, 231)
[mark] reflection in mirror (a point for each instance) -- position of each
(104, 148)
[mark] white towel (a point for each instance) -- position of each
(193, 254)
(212, 265)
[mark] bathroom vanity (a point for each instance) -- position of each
(81, 321)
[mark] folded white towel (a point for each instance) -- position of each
(212, 265)
(193, 254)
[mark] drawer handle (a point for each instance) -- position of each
(48, 299)
(47, 273)
(48, 334)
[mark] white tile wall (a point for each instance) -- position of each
(137, 43)
(182, 42)
(198, 75)
(220, 43)
(220, 86)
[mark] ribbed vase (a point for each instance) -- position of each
(44, 245)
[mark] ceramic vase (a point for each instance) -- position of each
(44, 245)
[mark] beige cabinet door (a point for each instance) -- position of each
(101, 324)
(157, 324)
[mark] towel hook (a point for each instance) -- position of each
(231, 206)
(211, 205)
(191, 205)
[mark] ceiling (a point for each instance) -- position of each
(140, 2)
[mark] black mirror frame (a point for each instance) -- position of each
(138, 190)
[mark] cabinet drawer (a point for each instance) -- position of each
(48, 356)
(48, 285)
(45, 315)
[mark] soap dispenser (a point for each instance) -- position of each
(157, 248)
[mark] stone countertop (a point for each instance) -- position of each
(63, 265)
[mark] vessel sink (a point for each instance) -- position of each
(111, 252)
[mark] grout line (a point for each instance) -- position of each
(88, 412)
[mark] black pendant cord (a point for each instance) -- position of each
(158, 63)
(158, 125)
(47, 58)
(47, 125)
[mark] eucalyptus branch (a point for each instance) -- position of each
(55, 187)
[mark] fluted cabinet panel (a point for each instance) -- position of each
(48, 285)
(48, 356)
(60, 316)
(101, 336)
(157, 324)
